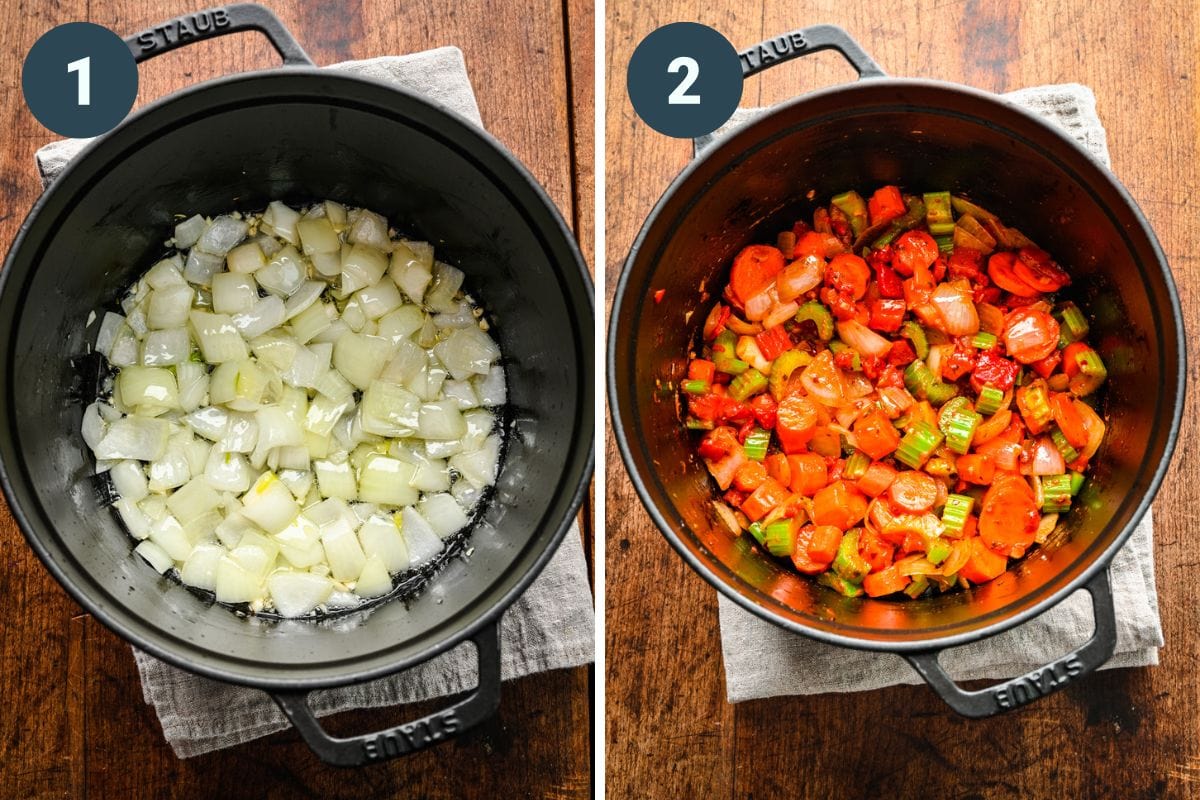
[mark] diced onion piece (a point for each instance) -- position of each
(461, 393)
(236, 584)
(228, 472)
(110, 326)
(187, 233)
(166, 347)
(312, 321)
(480, 466)
(304, 297)
(863, 339)
(234, 293)
(192, 380)
(441, 420)
(423, 544)
(371, 229)
(266, 313)
(390, 410)
(447, 280)
(94, 427)
(401, 323)
(200, 569)
(408, 361)
(387, 481)
(361, 358)
(150, 390)
(362, 266)
(171, 470)
(125, 349)
(241, 435)
(140, 438)
(318, 236)
(491, 387)
(244, 259)
(129, 479)
(135, 519)
(282, 221)
(155, 556)
(269, 504)
(298, 593)
(466, 352)
(443, 514)
(379, 299)
(955, 303)
(168, 307)
(284, 274)
(374, 580)
(427, 382)
(209, 422)
(381, 538)
(300, 543)
(410, 273)
(222, 235)
(168, 534)
(194, 499)
(218, 337)
(342, 551)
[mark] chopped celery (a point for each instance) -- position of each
(1076, 482)
(849, 563)
(694, 424)
(1056, 493)
(983, 340)
(856, 465)
(756, 530)
(838, 346)
(938, 551)
(839, 584)
(913, 331)
(780, 537)
(756, 443)
(749, 383)
(1034, 402)
(696, 387)
(854, 207)
(887, 237)
(918, 586)
(954, 515)
(918, 444)
(818, 315)
(1073, 325)
(938, 214)
(959, 426)
(920, 381)
(1091, 375)
(945, 244)
(990, 399)
(782, 368)
(1069, 453)
(724, 354)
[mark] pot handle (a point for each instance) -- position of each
(802, 42)
(1040, 682)
(369, 748)
(217, 21)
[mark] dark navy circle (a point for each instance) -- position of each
(685, 80)
(79, 79)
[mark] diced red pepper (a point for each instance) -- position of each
(658, 295)
(764, 410)
(993, 368)
(718, 443)
(736, 413)
(987, 294)
(872, 366)
(708, 407)
(966, 262)
(845, 360)
(735, 498)
(902, 353)
(773, 341)
(1047, 365)
(939, 269)
(888, 282)
(887, 314)
(886, 204)
(890, 376)
(960, 362)
(701, 369)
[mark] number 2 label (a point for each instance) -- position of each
(83, 66)
(680, 97)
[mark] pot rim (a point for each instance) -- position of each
(727, 146)
(158, 643)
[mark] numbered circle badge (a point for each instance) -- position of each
(685, 80)
(79, 79)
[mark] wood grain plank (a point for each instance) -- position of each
(74, 722)
(1126, 733)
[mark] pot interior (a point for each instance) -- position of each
(297, 136)
(925, 137)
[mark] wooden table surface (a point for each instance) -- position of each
(73, 722)
(1120, 734)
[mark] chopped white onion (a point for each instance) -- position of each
(443, 514)
(187, 233)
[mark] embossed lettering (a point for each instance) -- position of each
(187, 27)
(1038, 683)
(773, 50)
(412, 736)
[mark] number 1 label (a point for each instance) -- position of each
(83, 66)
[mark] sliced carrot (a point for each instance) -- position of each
(915, 251)
(815, 243)
(876, 479)
(778, 468)
(768, 495)
(975, 468)
(849, 274)
(1009, 515)
(749, 476)
(754, 269)
(1000, 270)
(795, 422)
(875, 435)
(984, 564)
(839, 504)
(886, 204)
(809, 474)
(913, 492)
(1069, 420)
(885, 582)
(823, 545)
(826, 442)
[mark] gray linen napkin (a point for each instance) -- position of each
(549, 627)
(763, 660)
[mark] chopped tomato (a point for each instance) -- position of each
(984, 564)
(913, 492)
(701, 370)
(809, 473)
(887, 314)
(719, 442)
(839, 504)
(1035, 267)
(992, 368)
(966, 262)
(773, 342)
(1046, 366)
(849, 274)
(765, 409)
(875, 550)
(768, 495)
(875, 435)
(754, 269)
(886, 204)
(915, 251)
(1030, 335)
(1071, 355)
(902, 353)
(888, 282)
(658, 295)
(960, 362)
(1000, 270)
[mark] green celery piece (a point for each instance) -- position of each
(749, 383)
(849, 563)
(782, 368)
(918, 586)
(724, 354)
(913, 331)
(820, 316)
(854, 207)
(838, 346)
(938, 214)
(839, 585)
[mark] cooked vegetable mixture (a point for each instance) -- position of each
(892, 398)
(300, 409)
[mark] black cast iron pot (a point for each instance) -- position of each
(297, 134)
(924, 135)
